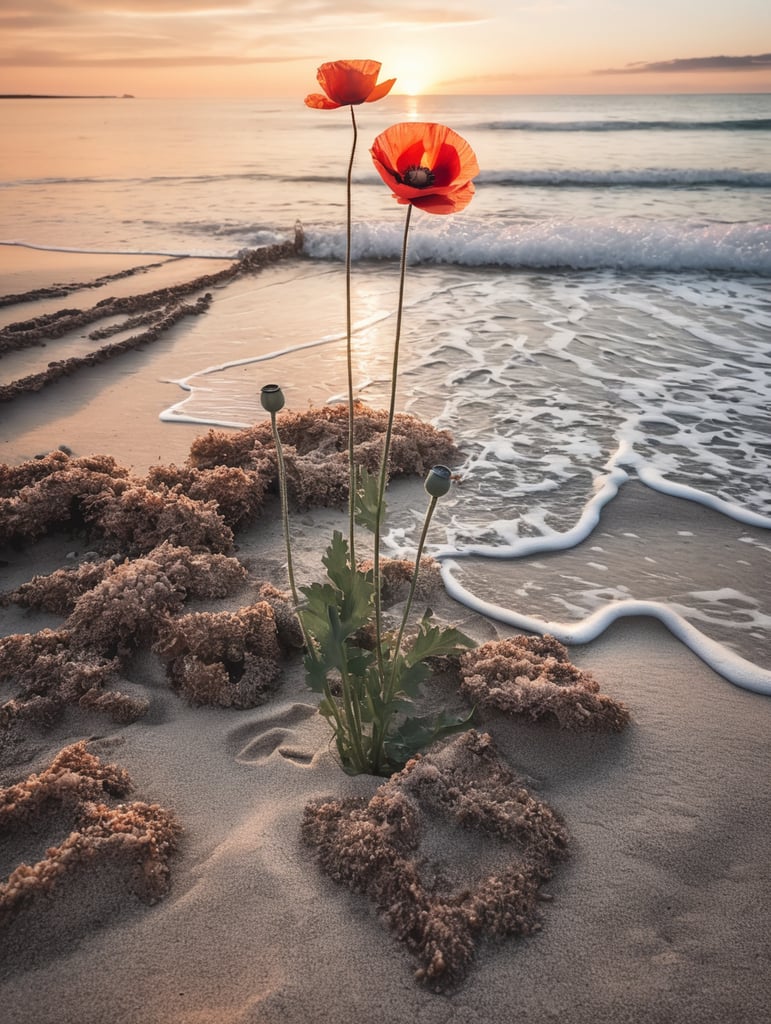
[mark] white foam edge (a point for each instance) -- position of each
(607, 487)
(175, 413)
(730, 666)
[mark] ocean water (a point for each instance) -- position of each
(599, 317)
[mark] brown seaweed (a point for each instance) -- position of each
(396, 578)
(144, 836)
(81, 662)
(51, 494)
(238, 493)
(228, 659)
(58, 591)
(157, 311)
(439, 912)
(50, 671)
(534, 677)
(315, 449)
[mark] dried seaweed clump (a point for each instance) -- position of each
(192, 574)
(58, 591)
(139, 834)
(315, 449)
(97, 495)
(238, 493)
(57, 500)
(396, 577)
(439, 910)
(290, 635)
(533, 676)
(126, 608)
(15, 478)
(229, 659)
(49, 672)
(139, 519)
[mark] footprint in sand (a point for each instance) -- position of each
(278, 733)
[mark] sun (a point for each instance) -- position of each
(412, 83)
(415, 73)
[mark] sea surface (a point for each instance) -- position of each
(598, 318)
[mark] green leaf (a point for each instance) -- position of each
(315, 611)
(366, 502)
(410, 678)
(356, 589)
(315, 674)
(433, 642)
(416, 733)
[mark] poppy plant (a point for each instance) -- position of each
(368, 692)
(348, 83)
(426, 165)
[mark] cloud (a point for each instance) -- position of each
(758, 62)
(50, 59)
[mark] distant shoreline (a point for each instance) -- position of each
(45, 96)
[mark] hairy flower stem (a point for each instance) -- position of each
(379, 734)
(386, 452)
(349, 333)
(285, 520)
(411, 595)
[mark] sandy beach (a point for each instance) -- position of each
(658, 912)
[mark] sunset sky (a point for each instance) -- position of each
(250, 48)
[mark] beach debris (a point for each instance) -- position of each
(186, 572)
(157, 311)
(142, 836)
(58, 591)
(227, 659)
(125, 609)
(139, 519)
(396, 577)
(533, 677)
(58, 291)
(315, 449)
(452, 851)
(238, 493)
(43, 495)
(96, 496)
(50, 672)
(14, 478)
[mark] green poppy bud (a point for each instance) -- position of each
(438, 481)
(272, 398)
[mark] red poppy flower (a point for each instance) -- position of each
(427, 165)
(348, 82)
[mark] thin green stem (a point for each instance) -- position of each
(349, 353)
(287, 540)
(411, 595)
(353, 715)
(387, 450)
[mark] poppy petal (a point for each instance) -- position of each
(381, 90)
(449, 158)
(452, 202)
(348, 81)
(319, 102)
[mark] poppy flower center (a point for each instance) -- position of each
(418, 177)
